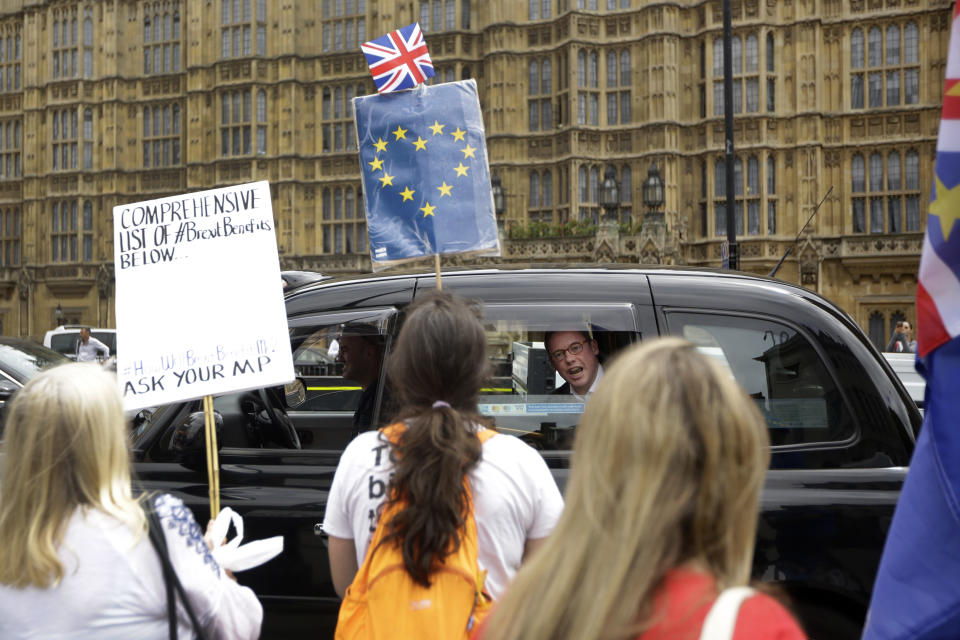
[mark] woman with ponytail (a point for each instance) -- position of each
(436, 371)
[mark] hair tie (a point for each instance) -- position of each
(441, 403)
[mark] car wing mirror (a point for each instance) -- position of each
(295, 393)
(7, 389)
(188, 442)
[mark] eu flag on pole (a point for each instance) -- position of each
(917, 591)
(426, 182)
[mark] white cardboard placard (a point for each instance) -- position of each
(199, 298)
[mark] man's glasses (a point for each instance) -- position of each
(573, 348)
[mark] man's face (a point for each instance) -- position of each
(907, 328)
(84, 335)
(360, 359)
(579, 369)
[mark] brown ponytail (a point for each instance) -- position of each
(440, 359)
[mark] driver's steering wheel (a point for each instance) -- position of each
(285, 430)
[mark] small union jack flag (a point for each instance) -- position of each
(398, 60)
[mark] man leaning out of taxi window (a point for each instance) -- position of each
(575, 356)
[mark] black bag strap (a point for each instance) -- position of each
(170, 578)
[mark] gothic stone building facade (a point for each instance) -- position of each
(104, 102)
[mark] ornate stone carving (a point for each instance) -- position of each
(24, 284)
(105, 281)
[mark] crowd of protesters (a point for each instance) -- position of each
(655, 541)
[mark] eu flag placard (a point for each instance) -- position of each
(426, 182)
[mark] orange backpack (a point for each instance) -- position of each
(383, 601)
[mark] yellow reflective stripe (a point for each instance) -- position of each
(497, 389)
(334, 388)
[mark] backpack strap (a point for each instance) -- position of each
(722, 618)
(170, 578)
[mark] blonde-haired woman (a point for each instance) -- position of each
(76, 560)
(660, 515)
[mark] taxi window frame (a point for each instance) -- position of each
(671, 329)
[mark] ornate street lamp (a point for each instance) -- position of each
(653, 194)
(59, 314)
(499, 198)
(610, 194)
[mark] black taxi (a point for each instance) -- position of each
(841, 425)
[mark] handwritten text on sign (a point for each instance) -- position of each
(199, 300)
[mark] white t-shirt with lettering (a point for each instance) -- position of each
(515, 499)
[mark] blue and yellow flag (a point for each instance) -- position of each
(426, 181)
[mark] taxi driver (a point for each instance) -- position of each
(574, 355)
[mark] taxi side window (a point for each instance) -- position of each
(526, 396)
(777, 367)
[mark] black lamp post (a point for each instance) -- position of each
(610, 194)
(59, 314)
(653, 195)
(499, 199)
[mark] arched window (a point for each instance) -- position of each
(465, 14)
(625, 68)
(736, 49)
(88, 123)
(534, 83)
(547, 189)
(737, 176)
(893, 171)
(594, 183)
(594, 69)
(913, 170)
(261, 106)
(425, 15)
(874, 47)
(450, 17)
(544, 8)
(720, 179)
(176, 119)
(611, 68)
(348, 206)
(325, 207)
(581, 68)
(533, 11)
(338, 204)
(146, 30)
(877, 334)
(753, 54)
(911, 43)
(582, 183)
(857, 174)
(770, 53)
(176, 25)
(753, 176)
(718, 58)
(534, 189)
(545, 76)
(893, 45)
(771, 175)
(166, 26)
(876, 172)
(626, 188)
(856, 49)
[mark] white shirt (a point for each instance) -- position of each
(113, 588)
(88, 352)
(515, 499)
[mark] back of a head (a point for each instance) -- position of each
(436, 370)
(64, 446)
(441, 354)
(668, 462)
